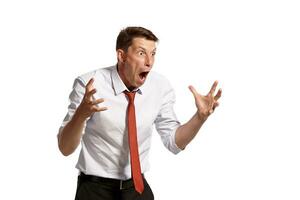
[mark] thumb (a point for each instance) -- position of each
(193, 90)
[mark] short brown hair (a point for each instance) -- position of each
(125, 37)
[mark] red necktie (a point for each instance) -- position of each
(133, 145)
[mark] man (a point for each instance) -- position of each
(112, 111)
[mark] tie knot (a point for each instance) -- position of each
(130, 95)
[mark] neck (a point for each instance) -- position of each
(120, 69)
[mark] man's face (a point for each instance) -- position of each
(136, 62)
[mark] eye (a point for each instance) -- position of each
(141, 53)
(153, 53)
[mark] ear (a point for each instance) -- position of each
(121, 55)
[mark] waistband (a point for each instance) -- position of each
(114, 183)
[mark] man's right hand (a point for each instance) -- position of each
(88, 105)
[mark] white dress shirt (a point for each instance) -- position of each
(105, 149)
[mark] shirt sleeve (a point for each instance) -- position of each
(166, 122)
(75, 99)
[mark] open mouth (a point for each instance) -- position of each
(143, 75)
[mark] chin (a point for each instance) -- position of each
(140, 83)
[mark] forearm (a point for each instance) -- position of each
(186, 132)
(70, 136)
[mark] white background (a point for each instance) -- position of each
(248, 149)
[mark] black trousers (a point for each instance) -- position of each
(98, 188)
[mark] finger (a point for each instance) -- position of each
(218, 95)
(88, 97)
(213, 88)
(89, 94)
(89, 85)
(98, 109)
(98, 101)
(215, 105)
(193, 90)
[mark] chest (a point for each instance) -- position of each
(114, 119)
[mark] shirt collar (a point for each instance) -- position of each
(118, 84)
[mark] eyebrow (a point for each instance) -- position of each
(140, 47)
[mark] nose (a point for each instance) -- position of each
(149, 61)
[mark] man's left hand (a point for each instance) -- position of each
(206, 104)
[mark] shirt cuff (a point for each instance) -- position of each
(174, 148)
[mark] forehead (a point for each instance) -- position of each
(143, 43)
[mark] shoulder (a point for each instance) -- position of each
(97, 74)
(160, 80)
